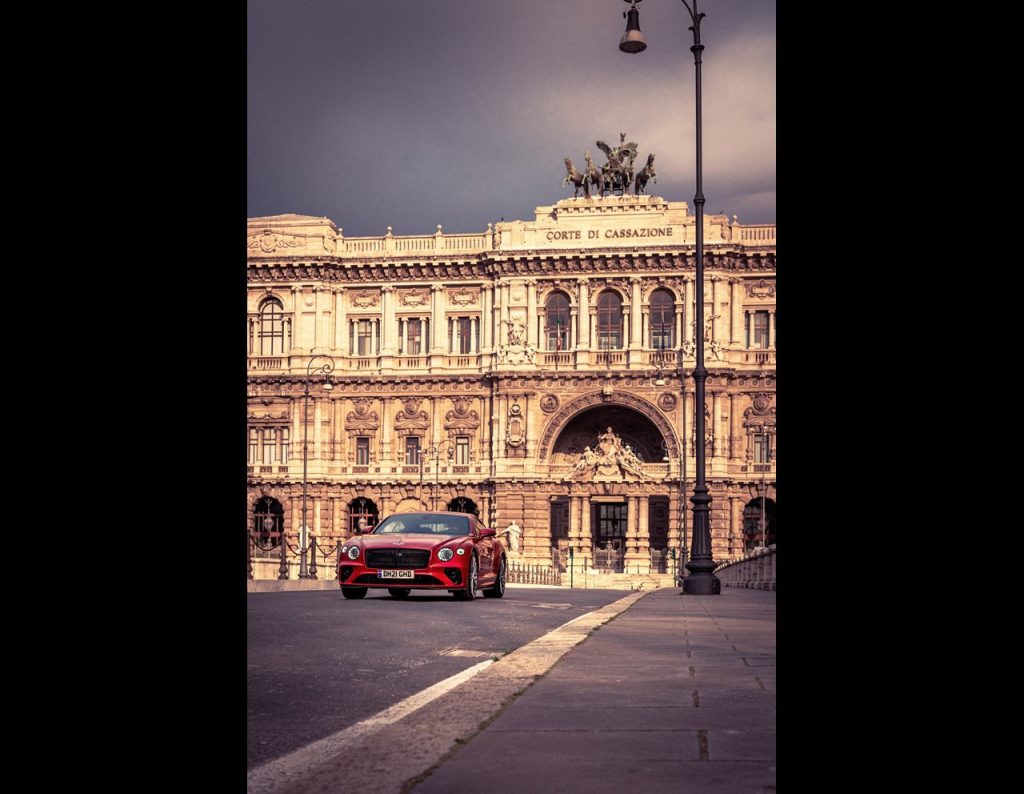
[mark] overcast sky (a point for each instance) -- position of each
(413, 113)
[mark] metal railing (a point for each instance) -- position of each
(520, 573)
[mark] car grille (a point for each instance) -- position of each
(419, 579)
(397, 558)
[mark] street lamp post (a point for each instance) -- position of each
(702, 580)
(324, 369)
(434, 451)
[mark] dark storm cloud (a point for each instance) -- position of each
(413, 113)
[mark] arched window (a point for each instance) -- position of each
(752, 534)
(609, 321)
(462, 505)
(361, 508)
(663, 320)
(268, 521)
(557, 322)
(271, 333)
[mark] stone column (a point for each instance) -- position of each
(387, 347)
(574, 521)
(627, 336)
(736, 337)
(586, 536)
(485, 319)
(531, 312)
(387, 429)
(452, 326)
(436, 314)
(716, 308)
(716, 423)
(584, 315)
(644, 527)
(736, 436)
(635, 313)
(504, 294)
(341, 325)
(296, 317)
(690, 309)
(473, 346)
(735, 522)
(771, 329)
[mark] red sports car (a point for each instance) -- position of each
(428, 551)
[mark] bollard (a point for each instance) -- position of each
(282, 572)
(312, 562)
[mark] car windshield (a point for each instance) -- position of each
(424, 523)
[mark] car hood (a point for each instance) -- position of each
(408, 540)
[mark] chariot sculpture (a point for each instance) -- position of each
(615, 176)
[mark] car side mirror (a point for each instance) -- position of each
(487, 533)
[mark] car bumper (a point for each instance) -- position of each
(440, 576)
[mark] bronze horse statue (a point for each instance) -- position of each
(594, 175)
(578, 179)
(585, 180)
(647, 172)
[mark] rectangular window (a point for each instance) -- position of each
(362, 450)
(364, 338)
(268, 446)
(463, 328)
(282, 434)
(758, 336)
(414, 332)
(412, 450)
(462, 450)
(762, 448)
(254, 445)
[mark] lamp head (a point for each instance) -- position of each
(632, 40)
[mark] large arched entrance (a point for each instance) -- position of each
(613, 462)
(362, 508)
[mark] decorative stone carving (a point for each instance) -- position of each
(667, 401)
(462, 297)
(411, 417)
(609, 459)
(414, 297)
(549, 403)
(761, 415)
(268, 241)
(462, 417)
(762, 289)
(362, 418)
(516, 351)
(365, 298)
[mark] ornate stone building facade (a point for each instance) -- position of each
(539, 372)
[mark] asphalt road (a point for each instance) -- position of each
(318, 663)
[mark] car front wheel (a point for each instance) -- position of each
(499, 585)
(353, 592)
(469, 593)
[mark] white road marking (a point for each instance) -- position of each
(268, 776)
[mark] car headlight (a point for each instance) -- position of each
(353, 553)
(445, 554)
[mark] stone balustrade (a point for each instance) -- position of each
(755, 571)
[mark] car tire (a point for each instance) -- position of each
(399, 592)
(468, 593)
(353, 592)
(499, 585)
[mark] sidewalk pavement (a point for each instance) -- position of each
(676, 694)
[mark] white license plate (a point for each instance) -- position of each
(396, 574)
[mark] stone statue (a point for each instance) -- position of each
(618, 173)
(578, 179)
(646, 173)
(593, 175)
(516, 333)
